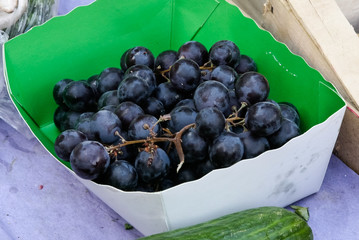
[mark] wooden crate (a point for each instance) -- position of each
(321, 33)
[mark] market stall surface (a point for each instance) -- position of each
(40, 199)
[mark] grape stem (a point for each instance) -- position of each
(175, 138)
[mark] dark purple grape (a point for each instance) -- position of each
(127, 111)
(290, 112)
(58, 118)
(123, 60)
(144, 72)
(185, 75)
(89, 160)
(181, 117)
(224, 74)
(134, 89)
(66, 142)
(58, 91)
(287, 131)
(204, 168)
(139, 56)
(186, 174)
(195, 51)
(253, 144)
(122, 175)
(154, 107)
(246, 64)
(92, 80)
(251, 87)
(224, 52)
(66, 119)
(110, 108)
(109, 79)
(163, 62)
(84, 125)
(188, 102)
(195, 147)
(210, 123)
(167, 94)
(263, 118)
(166, 184)
(140, 127)
(226, 150)
(104, 125)
(152, 166)
(79, 96)
(211, 94)
(108, 98)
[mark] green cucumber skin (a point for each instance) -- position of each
(267, 223)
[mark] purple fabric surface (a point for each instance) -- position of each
(39, 199)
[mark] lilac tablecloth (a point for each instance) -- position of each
(40, 200)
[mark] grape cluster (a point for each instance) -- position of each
(157, 122)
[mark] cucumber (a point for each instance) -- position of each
(256, 223)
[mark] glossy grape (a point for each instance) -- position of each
(210, 122)
(195, 51)
(89, 159)
(263, 118)
(152, 166)
(251, 87)
(185, 75)
(226, 150)
(122, 175)
(212, 94)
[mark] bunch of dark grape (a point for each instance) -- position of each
(157, 122)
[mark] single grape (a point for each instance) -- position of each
(79, 96)
(185, 75)
(195, 147)
(181, 117)
(288, 130)
(104, 125)
(226, 150)
(134, 89)
(140, 127)
(167, 94)
(195, 51)
(152, 166)
(89, 159)
(123, 60)
(212, 94)
(253, 145)
(139, 56)
(251, 87)
(108, 98)
(66, 142)
(109, 79)
(224, 74)
(246, 64)
(58, 91)
(210, 123)
(263, 118)
(290, 112)
(153, 107)
(122, 175)
(224, 52)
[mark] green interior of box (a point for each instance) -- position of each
(93, 37)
